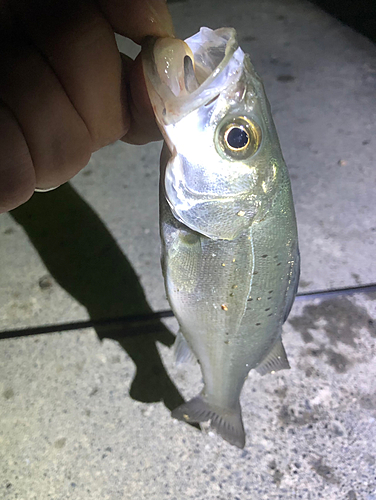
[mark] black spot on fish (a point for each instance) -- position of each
(270, 291)
(258, 324)
(271, 314)
(279, 263)
(264, 256)
(267, 309)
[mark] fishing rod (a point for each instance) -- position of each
(142, 324)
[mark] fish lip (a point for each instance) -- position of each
(170, 108)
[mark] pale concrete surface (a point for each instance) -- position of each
(81, 418)
(70, 429)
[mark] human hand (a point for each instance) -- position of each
(65, 91)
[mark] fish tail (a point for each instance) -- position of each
(227, 423)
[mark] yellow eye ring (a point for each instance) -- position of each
(238, 137)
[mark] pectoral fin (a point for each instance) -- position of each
(275, 360)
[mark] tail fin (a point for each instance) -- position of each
(227, 423)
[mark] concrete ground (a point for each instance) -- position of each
(86, 413)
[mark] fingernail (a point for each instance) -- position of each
(45, 190)
(160, 16)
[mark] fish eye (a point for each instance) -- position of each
(238, 137)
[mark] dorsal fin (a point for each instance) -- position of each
(275, 360)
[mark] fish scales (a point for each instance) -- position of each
(230, 253)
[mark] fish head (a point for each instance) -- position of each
(225, 160)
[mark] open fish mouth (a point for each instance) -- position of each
(198, 89)
(182, 75)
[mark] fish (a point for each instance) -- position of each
(230, 255)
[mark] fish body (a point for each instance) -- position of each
(230, 253)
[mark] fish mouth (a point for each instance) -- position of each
(182, 75)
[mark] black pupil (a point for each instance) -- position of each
(237, 138)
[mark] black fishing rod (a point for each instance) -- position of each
(142, 324)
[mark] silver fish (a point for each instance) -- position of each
(230, 253)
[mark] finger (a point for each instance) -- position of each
(136, 19)
(79, 44)
(57, 138)
(17, 179)
(143, 127)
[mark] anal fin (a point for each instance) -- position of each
(275, 360)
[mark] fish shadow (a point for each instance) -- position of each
(84, 258)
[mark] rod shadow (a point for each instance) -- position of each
(83, 257)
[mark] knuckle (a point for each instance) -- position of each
(78, 154)
(63, 158)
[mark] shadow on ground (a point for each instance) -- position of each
(359, 14)
(83, 257)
